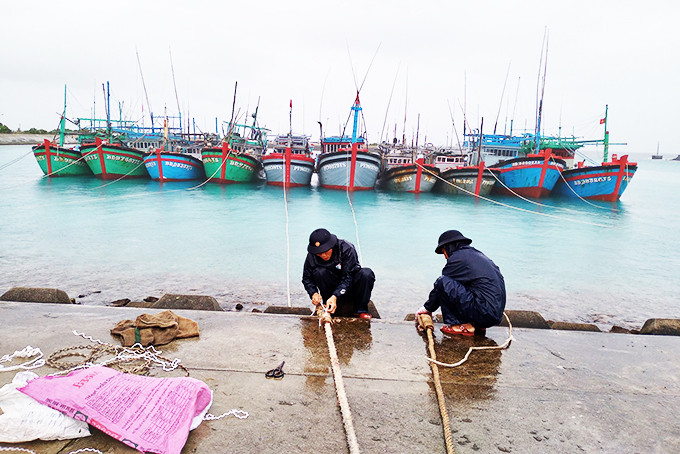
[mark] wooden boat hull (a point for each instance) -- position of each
(57, 161)
(531, 176)
(172, 166)
(228, 167)
(465, 181)
(606, 182)
(336, 170)
(299, 170)
(112, 161)
(410, 178)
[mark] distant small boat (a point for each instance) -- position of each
(56, 161)
(605, 182)
(110, 161)
(291, 163)
(657, 155)
(343, 165)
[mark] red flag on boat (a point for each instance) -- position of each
(291, 103)
(602, 120)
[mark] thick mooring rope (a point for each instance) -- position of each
(326, 320)
(425, 321)
(448, 437)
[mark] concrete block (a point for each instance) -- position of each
(525, 319)
(288, 310)
(574, 326)
(196, 302)
(661, 326)
(36, 295)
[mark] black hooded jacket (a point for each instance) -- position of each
(343, 263)
(479, 275)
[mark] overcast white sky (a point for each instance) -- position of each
(436, 53)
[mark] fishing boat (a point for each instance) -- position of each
(290, 163)
(55, 160)
(532, 176)
(176, 163)
(111, 161)
(404, 171)
(163, 165)
(238, 159)
(465, 173)
(657, 155)
(342, 164)
(605, 182)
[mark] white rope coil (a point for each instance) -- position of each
(25, 353)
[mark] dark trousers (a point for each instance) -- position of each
(459, 305)
(355, 301)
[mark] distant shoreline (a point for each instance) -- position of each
(27, 139)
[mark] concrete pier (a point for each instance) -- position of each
(551, 391)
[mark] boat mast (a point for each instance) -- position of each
(62, 123)
(542, 65)
(606, 135)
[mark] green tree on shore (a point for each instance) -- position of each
(4, 129)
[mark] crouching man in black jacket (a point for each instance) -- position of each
(332, 273)
(470, 291)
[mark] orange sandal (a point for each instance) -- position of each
(460, 330)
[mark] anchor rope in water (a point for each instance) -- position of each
(285, 205)
(582, 199)
(496, 202)
(14, 161)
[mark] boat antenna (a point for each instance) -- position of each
(453, 124)
(172, 68)
(369, 68)
(108, 111)
(403, 132)
(514, 109)
(146, 95)
(233, 105)
(502, 95)
(389, 101)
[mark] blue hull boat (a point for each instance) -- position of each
(534, 176)
(173, 166)
(605, 182)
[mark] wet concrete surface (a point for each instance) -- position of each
(551, 391)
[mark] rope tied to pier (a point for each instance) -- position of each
(425, 323)
(326, 320)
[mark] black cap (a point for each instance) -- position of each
(321, 240)
(450, 236)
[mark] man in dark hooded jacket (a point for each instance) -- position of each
(332, 274)
(471, 289)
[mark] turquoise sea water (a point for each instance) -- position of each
(611, 263)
